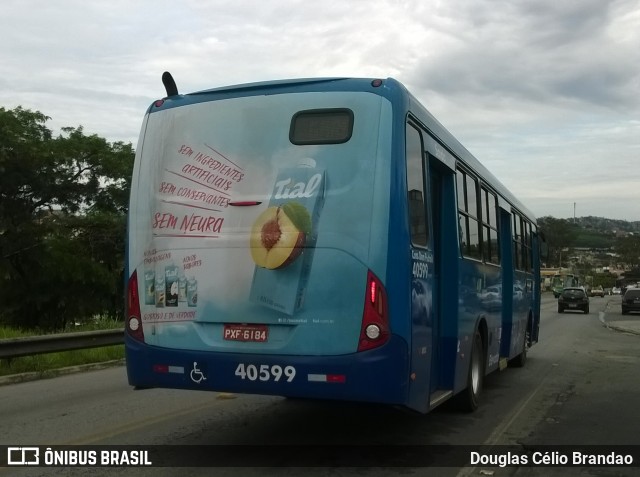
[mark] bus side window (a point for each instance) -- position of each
(517, 242)
(522, 244)
(415, 187)
(470, 242)
(490, 248)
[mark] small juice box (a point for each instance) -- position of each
(192, 292)
(149, 287)
(171, 285)
(182, 288)
(160, 290)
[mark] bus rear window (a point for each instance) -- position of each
(321, 126)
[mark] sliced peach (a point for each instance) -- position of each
(275, 240)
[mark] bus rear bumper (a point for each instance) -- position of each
(379, 375)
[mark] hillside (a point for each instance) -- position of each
(604, 225)
(600, 232)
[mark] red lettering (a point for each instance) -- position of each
(199, 223)
(164, 221)
(167, 188)
(185, 150)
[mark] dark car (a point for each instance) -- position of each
(573, 298)
(631, 300)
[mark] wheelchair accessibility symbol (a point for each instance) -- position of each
(197, 376)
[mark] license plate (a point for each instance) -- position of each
(242, 332)
(572, 305)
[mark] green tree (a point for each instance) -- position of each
(628, 249)
(63, 204)
(559, 234)
(605, 280)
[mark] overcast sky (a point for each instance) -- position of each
(546, 93)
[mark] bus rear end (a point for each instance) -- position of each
(257, 244)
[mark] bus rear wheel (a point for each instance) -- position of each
(520, 360)
(469, 399)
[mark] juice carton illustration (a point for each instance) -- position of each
(149, 287)
(182, 288)
(160, 290)
(283, 238)
(172, 285)
(192, 292)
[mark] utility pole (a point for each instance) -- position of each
(560, 260)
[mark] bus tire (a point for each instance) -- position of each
(469, 399)
(520, 360)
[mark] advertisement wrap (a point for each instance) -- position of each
(230, 231)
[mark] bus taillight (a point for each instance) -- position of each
(375, 321)
(134, 317)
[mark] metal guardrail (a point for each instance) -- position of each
(31, 345)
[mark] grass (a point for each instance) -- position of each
(47, 364)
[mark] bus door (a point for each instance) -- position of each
(423, 339)
(508, 276)
(444, 239)
(537, 284)
(432, 290)
(433, 222)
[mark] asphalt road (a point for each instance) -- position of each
(579, 387)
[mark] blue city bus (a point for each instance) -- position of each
(322, 238)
